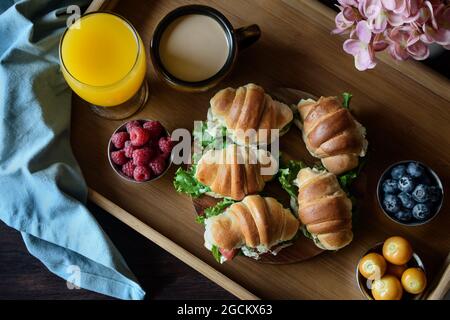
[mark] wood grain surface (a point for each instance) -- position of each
(406, 115)
(161, 274)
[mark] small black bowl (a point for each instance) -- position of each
(435, 181)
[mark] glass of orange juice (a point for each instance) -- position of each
(103, 61)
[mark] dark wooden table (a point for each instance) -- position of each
(162, 275)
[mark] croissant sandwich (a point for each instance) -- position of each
(331, 133)
(324, 208)
(248, 107)
(235, 171)
(256, 225)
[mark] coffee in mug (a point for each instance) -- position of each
(194, 47)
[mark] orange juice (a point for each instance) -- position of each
(103, 60)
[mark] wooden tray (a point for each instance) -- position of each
(405, 107)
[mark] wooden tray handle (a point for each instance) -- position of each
(101, 5)
(442, 287)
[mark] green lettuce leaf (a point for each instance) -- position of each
(346, 179)
(215, 210)
(216, 253)
(305, 232)
(347, 97)
(287, 175)
(201, 134)
(185, 182)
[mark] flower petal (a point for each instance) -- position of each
(350, 14)
(379, 42)
(399, 35)
(418, 50)
(398, 52)
(441, 36)
(364, 60)
(395, 19)
(363, 31)
(352, 46)
(379, 24)
(370, 8)
(389, 4)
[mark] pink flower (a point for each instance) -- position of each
(380, 42)
(426, 13)
(440, 31)
(404, 27)
(380, 22)
(361, 48)
(397, 6)
(347, 17)
(342, 24)
(405, 43)
(370, 8)
(400, 12)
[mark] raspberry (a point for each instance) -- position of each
(118, 139)
(129, 149)
(154, 128)
(141, 173)
(141, 157)
(128, 169)
(118, 157)
(158, 165)
(165, 144)
(131, 124)
(165, 155)
(139, 136)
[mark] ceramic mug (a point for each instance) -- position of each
(237, 40)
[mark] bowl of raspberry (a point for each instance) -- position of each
(140, 150)
(410, 193)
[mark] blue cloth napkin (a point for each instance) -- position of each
(42, 191)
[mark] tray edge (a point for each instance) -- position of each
(171, 247)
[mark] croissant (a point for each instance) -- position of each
(255, 222)
(249, 107)
(324, 209)
(235, 171)
(332, 134)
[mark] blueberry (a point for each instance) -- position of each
(406, 183)
(398, 171)
(391, 203)
(406, 200)
(424, 179)
(435, 194)
(403, 215)
(414, 169)
(390, 186)
(421, 211)
(421, 193)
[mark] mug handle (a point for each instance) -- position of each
(246, 36)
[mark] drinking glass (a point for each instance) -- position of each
(103, 60)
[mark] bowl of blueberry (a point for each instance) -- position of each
(410, 193)
(140, 150)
